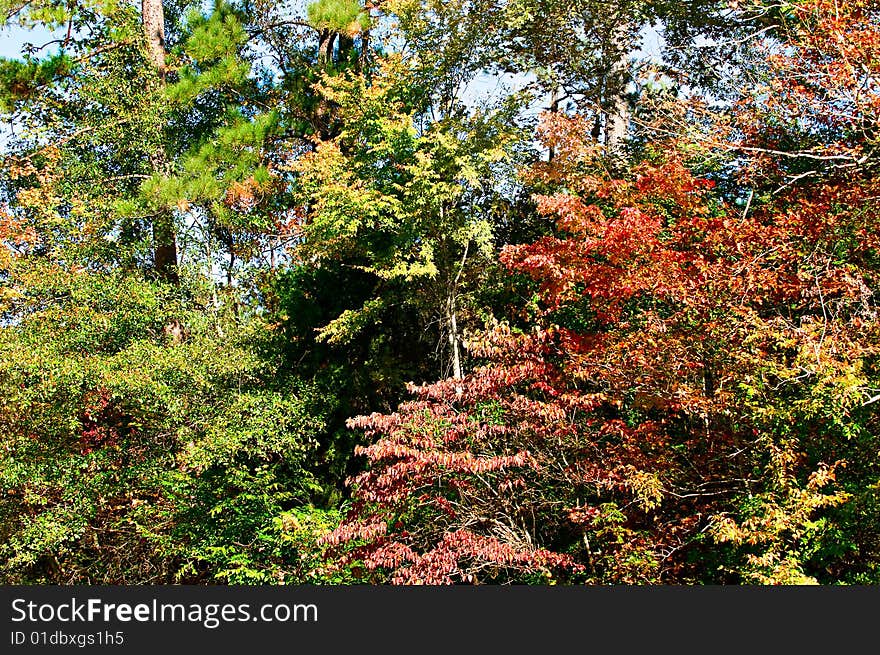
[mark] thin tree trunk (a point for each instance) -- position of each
(554, 109)
(452, 317)
(454, 337)
(364, 54)
(164, 238)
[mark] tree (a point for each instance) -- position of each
(152, 437)
(225, 229)
(165, 243)
(403, 197)
(678, 390)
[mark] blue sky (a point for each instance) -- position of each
(13, 38)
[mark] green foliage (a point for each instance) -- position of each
(20, 79)
(699, 320)
(141, 454)
(367, 369)
(408, 200)
(346, 16)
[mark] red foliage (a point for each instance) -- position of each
(102, 422)
(818, 107)
(603, 448)
(606, 442)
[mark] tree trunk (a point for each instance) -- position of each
(346, 45)
(452, 315)
(364, 54)
(554, 109)
(165, 248)
(617, 113)
(164, 238)
(325, 47)
(454, 337)
(153, 18)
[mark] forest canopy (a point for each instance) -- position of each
(420, 292)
